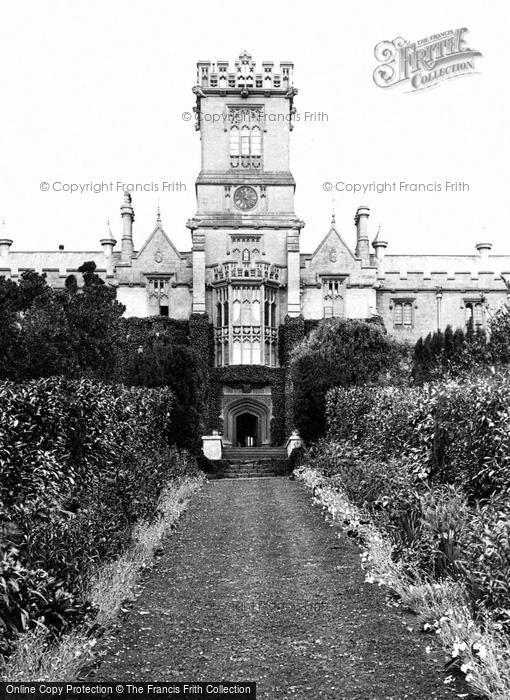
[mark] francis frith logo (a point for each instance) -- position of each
(424, 63)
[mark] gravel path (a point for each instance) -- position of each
(255, 585)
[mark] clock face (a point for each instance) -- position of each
(245, 198)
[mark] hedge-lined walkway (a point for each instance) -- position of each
(255, 585)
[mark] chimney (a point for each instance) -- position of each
(108, 243)
(5, 243)
(128, 216)
(61, 246)
(362, 243)
(483, 251)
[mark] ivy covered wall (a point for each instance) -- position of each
(197, 334)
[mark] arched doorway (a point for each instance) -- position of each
(246, 429)
(246, 418)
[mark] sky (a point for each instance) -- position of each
(95, 92)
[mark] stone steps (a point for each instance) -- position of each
(254, 453)
(253, 462)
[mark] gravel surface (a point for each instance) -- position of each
(256, 585)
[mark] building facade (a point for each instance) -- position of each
(245, 269)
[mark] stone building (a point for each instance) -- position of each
(245, 269)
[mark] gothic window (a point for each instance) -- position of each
(255, 309)
(474, 314)
(245, 141)
(241, 333)
(236, 316)
(333, 295)
(245, 138)
(247, 359)
(246, 313)
(246, 255)
(236, 355)
(234, 141)
(157, 289)
(157, 286)
(256, 142)
(270, 308)
(403, 314)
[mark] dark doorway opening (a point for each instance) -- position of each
(246, 430)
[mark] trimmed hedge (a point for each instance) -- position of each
(80, 463)
(178, 368)
(164, 352)
(338, 352)
(453, 432)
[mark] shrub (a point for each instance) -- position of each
(338, 352)
(486, 559)
(29, 596)
(500, 336)
(445, 519)
(450, 432)
(80, 464)
(432, 466)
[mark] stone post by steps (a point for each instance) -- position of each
(212, 446)
(293, 442)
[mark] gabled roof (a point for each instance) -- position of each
(333, 235)
(158, 229)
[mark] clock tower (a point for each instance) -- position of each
(245, 233)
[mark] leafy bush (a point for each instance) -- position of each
(486, 556)
(432, 466)
(80, 463)
(32, 596)
(451, 432)
(500, 335)
(338, 352)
